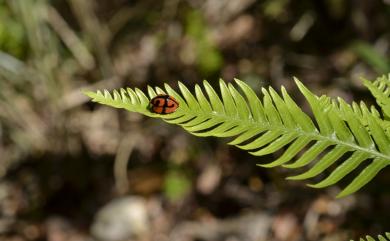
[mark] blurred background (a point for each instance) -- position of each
(74, 170)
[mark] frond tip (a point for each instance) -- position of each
(341, 135)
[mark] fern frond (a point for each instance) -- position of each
(385, 237)
(341, 134)
(380, 89)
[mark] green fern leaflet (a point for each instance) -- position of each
(380, 89)
(339, 134)
(386, 237)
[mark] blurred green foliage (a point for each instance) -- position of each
(12, 35)
(176, 184)
(372, 56)
(208, 57)
(274, 8)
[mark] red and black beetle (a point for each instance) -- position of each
(163, 104)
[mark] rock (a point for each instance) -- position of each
(121, 219)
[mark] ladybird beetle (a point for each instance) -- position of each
(163, 104)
